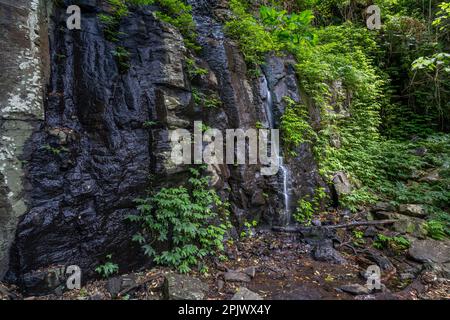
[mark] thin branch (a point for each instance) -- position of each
(336, 226)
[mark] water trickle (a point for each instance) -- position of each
(268, 107)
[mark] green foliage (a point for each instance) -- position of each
(395, 243)
(55, 151)
(411, 34)
(374, 89)
(295, 127)
(187, 218)
(122, 56)
(306, 207)
(255, 41)
(259, 125)
(205, 127)
(248, 232)
(304, 212)
(209, 100)
(358, 237)
(179, 14)
(434, 73)
(111, 22)
(193, 70)
(288, 28)
(149, 124)
(108, 268)
(357, 198)
(141, 2)
(442, 20)
(435, 229)
(274, 31)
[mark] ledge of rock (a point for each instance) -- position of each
(430, 251)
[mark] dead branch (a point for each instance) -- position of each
(336, 226)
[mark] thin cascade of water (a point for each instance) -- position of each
(268, 106)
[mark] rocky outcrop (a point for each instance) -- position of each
(105, 137)
(23, 64)
(430, 251)
(303, 173)
(81, 191)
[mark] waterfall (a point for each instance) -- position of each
(268, 106)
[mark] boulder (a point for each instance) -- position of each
(258, 198)
(114, 286)
(118, 284)
(439, 270)
(421, 151)
(410, 225)
(97, 296)
(236, 276)
(324, 251)
(384, 215)
(24, 43)
(44, 281)
(355, 289)
(383, 206)
(183, 287)
(245, 294)
(430, 251)
(413, 210)
(371, 232)
(341, 183)
(380, 260)
(250, 271)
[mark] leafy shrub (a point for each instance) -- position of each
(55, 151)
(193, 70)
(108, 268)
(358, 237)
(179, 14)
(186, 219)
(306, 207)
(291, 28)
(209, 101)
(111, 22)
(295, 127)
(248, 229)
(396, 243)
(304, 212)
(435, 229)
(255, 41)
(122, 56)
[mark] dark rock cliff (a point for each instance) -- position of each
(93, 154)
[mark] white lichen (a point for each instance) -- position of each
(27, 101)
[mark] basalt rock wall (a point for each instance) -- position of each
(79, 168)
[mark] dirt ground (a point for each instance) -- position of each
(284, 270)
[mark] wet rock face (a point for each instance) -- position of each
(95, 152)
(92, 156)
(303, 175)
(243, 186)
